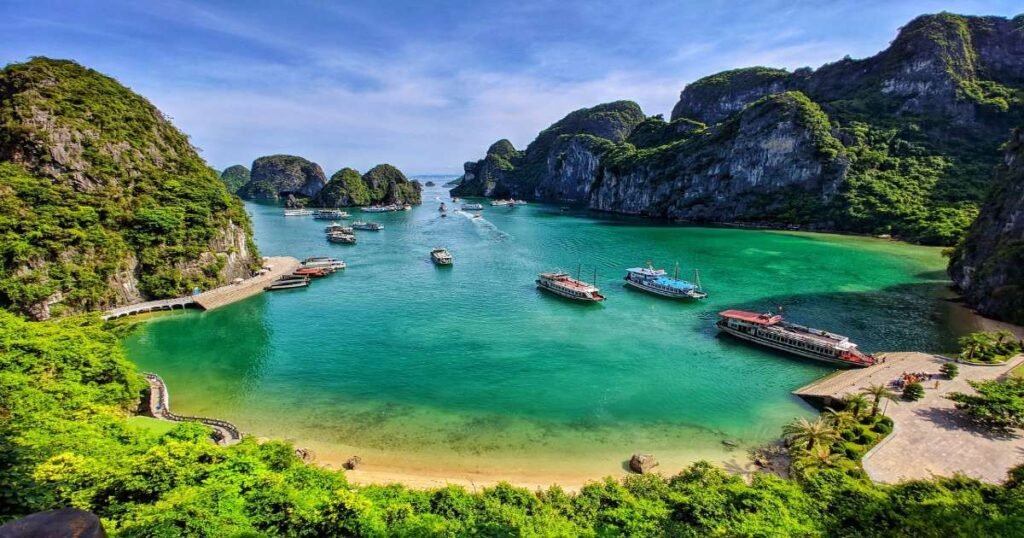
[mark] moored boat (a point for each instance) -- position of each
(342, 238)
(472, 207)
(288, 282)
(335, 227)
(330, 214)
(312, 271)
(562, 284)
(441, 256)
(771, 330)
(499, 203)
(363, 225)
(658, 282)
(323, 261)
(381, 208)
(297, 212)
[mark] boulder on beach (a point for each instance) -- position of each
(642, 463)
(305, 454)
(64, 522)
(352, 463)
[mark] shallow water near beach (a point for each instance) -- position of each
(471, 371)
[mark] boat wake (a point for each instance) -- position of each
(484, 226)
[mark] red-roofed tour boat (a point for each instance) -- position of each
(772, 331)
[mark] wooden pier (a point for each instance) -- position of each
(217, 297)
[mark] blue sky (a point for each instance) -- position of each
(428, 85)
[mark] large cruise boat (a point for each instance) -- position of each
(571, 288)
(657, 282)
(323, 261)
(363, 225)
(297, 212)
(330, 214)
(773, 331)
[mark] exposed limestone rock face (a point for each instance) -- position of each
(276, 176)
(560, 164)
(762, 163)
(988, 267)
(383, 184)
(107, 203)
(899, 143)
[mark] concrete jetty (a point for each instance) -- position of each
(277, 266)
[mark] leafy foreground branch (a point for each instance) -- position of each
(66, 389)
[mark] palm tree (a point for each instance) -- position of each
(802, 432)
(877, 394)
(840, 420)
(820, 457)
(856, 403)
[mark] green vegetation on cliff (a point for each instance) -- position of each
(104, 201)
(234, 177)
(382, 184)
(66, 390)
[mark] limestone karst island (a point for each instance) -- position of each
(536, 268)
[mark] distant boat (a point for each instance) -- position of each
(406, 207)
(342, 238)
(472, 207)
(379, 208)
(657, 282)
(455, 199)
(441, 256)
(330, 214)
(363, 225)
(429, 184)
(499, 203)
(297, 212)
(562, 284)
(773, 331)
(517, 202)
(443, 207)
(335, 227)
(323, 261)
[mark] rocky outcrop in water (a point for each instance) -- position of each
(381, 185)
(105, 202)
(899, 143)
(988, 267)
(234, 177)
(278, 176)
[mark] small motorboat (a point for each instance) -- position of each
(472, 207)
(441, 256)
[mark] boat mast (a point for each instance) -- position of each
(675, 274)
(595, 276)
(696, 279)
(579, 268)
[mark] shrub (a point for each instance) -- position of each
(913, 392)
(848, 435)
(950, 370)
(882, 428)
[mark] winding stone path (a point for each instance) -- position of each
(225, 433)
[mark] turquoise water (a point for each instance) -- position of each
(471, 369)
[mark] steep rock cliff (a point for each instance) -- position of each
(234, 177)
(560, 163)
(776, 158)
(277, 176)
(918, 127)
(382, 184)
(103, 201)
(988, 267)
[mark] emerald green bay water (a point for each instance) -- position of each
(470, 369)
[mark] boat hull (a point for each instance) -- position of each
(541, 284)
(663, 293)
(788, 349)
